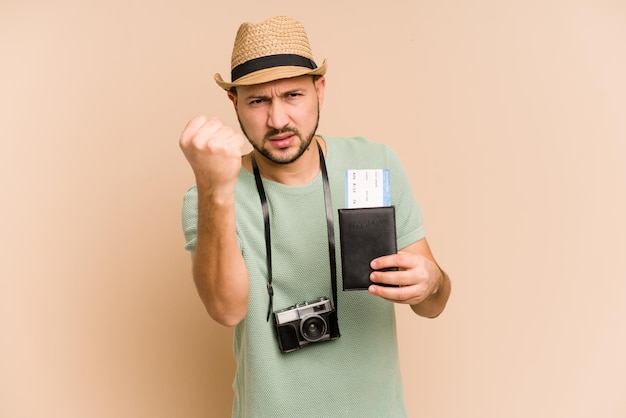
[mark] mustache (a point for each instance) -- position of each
(273, 132)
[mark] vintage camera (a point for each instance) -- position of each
(306, 323)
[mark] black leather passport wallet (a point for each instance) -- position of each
(365, 234)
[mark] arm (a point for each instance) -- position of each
(423, 285)
(219, 271)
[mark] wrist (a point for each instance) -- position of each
(441, 277)
(210, 194)
(435, 303)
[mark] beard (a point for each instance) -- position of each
(279, 158)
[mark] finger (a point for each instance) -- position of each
(241, 142)
(395, 294)
(393, 278)
(192, 126)
(401, 260)
(231, 135)
(227, 140)
(411, 294)
(208, 129)
(200, 129)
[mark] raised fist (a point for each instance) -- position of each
(213, 151)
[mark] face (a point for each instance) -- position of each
(280, 118)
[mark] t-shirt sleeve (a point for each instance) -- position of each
(190, 219)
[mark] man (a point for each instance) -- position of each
(262, 243)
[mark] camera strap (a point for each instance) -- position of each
(329, 226)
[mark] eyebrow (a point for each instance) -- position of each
(283, 94)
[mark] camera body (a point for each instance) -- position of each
(306, 323)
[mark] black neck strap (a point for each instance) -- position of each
(329, 226)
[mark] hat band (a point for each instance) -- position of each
(278, 60)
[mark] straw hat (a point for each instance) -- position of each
(273, 49)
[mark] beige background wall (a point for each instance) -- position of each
(510, 117)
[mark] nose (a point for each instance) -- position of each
(277, 117)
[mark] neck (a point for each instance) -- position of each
(298, 173)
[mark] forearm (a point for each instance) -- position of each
(432, 306)
(219, 270)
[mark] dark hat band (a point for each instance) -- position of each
(279, 60)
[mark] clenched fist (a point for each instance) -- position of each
(213, 151)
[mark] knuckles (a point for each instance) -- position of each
(210, 136)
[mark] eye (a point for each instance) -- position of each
(254, 102)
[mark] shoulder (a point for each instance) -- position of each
(356, 146)
(361, 151)
(353, 143)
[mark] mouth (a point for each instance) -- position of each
(282, 140)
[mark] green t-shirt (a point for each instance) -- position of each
(356, 375)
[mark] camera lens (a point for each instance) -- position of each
(313, 328)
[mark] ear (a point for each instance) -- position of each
(320, 86)
(232, 95)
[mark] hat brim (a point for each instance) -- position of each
(270, 74)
